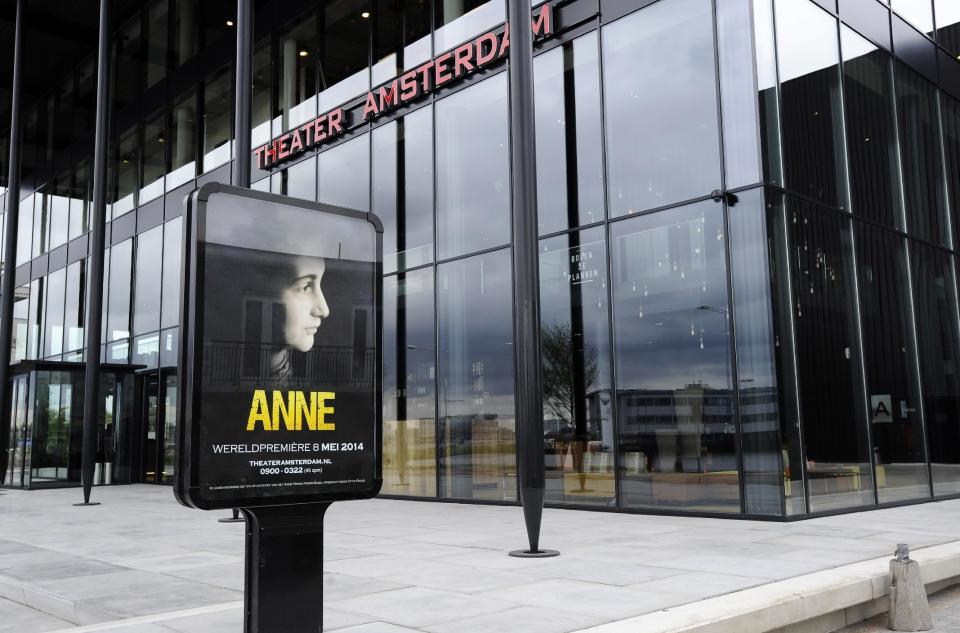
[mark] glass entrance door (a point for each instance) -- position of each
(17, 465)
(158, 415)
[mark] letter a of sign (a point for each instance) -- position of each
(880, 408)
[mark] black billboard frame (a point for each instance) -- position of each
(186, 489)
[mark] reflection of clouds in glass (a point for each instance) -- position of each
(473, 180)
(806, 38)
(852, 45)
(670, 300)
(917, 12)
(948, 13)
(662, 141)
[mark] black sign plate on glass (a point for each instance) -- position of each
(280, 368)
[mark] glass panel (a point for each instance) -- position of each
(41, 206)
(146, 350)
(123, 196)
(741, 144)
(409, 385)
(74, 306)
(146, 310)
(186, 30)
(183, 139)
(766, 461)
(403, 189)
(569, 152)
(59, 212)
(891, 366)
(812, 121)
(678, 438)
(24, 230)
(261, 94)
(663, 145)
(169, 426)
(53, 323)
(475, 351)
(118, 311)
(80, 199)
(473, 169)
(56, 446)
(154, 158)
(948, 25)
(128, 52)
(169, 347)
(298, 72)
(157, 32)
(839, 471)
(217, 110)
(35, 319)
(21, 306)
(917, 12)
(344, 174)
(871, 131)
(459, 20)
(171, 282)
(950, 112)
(344, 51)
(301, 180)
(575, 343)
(401, 36)
(935, 298)
(921, 159)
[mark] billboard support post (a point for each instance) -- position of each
(284, 545)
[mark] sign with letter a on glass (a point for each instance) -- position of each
(280, 361)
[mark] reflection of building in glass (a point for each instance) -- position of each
(737, 268)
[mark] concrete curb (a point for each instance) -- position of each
(52, 604)
(819, 602)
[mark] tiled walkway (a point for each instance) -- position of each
(397, 566)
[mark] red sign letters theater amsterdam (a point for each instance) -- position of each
(470, 57)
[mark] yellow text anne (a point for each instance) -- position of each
(296, 408)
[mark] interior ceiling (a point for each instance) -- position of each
(57, 34)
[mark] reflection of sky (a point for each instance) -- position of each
(948, 13)
(475, 322)
(660, 89)
(473, 179)
(671, 305)
(917, 12)
(806, 38)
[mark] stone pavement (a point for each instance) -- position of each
(140, 563)
(944, 606)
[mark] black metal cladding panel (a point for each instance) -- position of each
(870, 18)
(613, 9)
(58, 258)
(77, 249)
(573, 13)
(175, 200)
(39, 267)
(829, 5)
(913, 48)
(124, 228)
(949, 74)
(150, 215)
(220, 174)
(22, 275)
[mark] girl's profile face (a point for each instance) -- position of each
(304, 303)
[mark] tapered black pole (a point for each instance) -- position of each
(526, 288)
(242, 122)
(241, 109)
(94, 313)
(10, 242)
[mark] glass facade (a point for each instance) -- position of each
(747, 264)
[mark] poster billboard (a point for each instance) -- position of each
(280, 356)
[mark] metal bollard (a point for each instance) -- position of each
(909, 610)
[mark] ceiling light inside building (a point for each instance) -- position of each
(229, 22)
(365, 14)
(304, 53)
